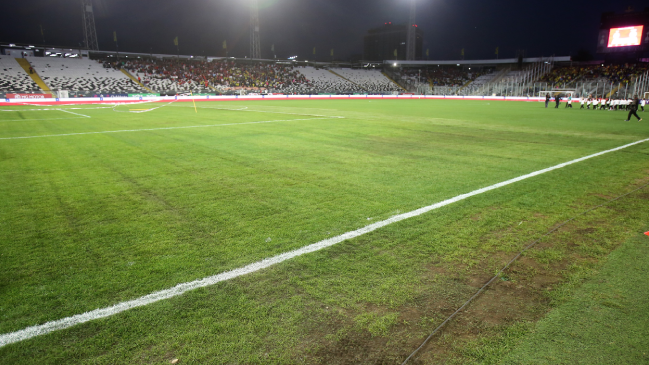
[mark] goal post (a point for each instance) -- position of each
(553, 93)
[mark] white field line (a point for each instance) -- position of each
(40, 110)
(254, 111)
(180, 289)
(166, 128)
(65, 111)
(27, 120)
(139, 111)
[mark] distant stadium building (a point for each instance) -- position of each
(388, 42)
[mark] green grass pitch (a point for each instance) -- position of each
(104, 204)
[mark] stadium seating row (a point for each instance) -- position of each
(82, 74)
(13, 78)
(606, 73)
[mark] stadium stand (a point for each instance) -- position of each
(369, 80)
(442, 76)
(608, 73)
(82, 74)
(223, 75)
(13, 78)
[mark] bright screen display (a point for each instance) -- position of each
(623, 37)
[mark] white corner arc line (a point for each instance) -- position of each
(180, 289)
(165, 128)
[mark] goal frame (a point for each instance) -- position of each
(553, 93)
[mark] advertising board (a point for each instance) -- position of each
(29, 96)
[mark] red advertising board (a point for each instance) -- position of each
(29, 96)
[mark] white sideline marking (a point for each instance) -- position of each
(20, 120)
(180, 289)
(65, 111)
(165, 128)
(254, 111)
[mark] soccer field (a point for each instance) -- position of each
(106, 204)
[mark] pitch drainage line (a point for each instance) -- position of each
(180, 289)
(484, 287)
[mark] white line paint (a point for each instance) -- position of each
(254, 111)
(46, 109)
(180, 289)
(66, 111)
(165, 128)
(27, 120)
(140, 111)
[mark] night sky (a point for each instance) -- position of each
(541, 28)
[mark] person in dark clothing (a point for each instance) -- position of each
(633, 108)
(547, 100)
(557, 99)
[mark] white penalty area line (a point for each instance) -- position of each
(67, 111)
(245, 109)
(180, 289)
(166, 128)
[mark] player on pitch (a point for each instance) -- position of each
(633, 108)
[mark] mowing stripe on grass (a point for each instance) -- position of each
(164, 128)
(180, 289)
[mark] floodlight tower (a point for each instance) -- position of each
(255, 47)
(411, 41)
(89, 29)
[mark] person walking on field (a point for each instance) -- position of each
(633, 108)
(547, 100)
(557, 99)
(569, 102)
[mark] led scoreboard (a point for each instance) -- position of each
(624, 33)
(628, 36)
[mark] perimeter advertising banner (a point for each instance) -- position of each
(112, 95)
(29, 96)
(143, 95)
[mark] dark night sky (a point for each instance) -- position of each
(296, 26)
